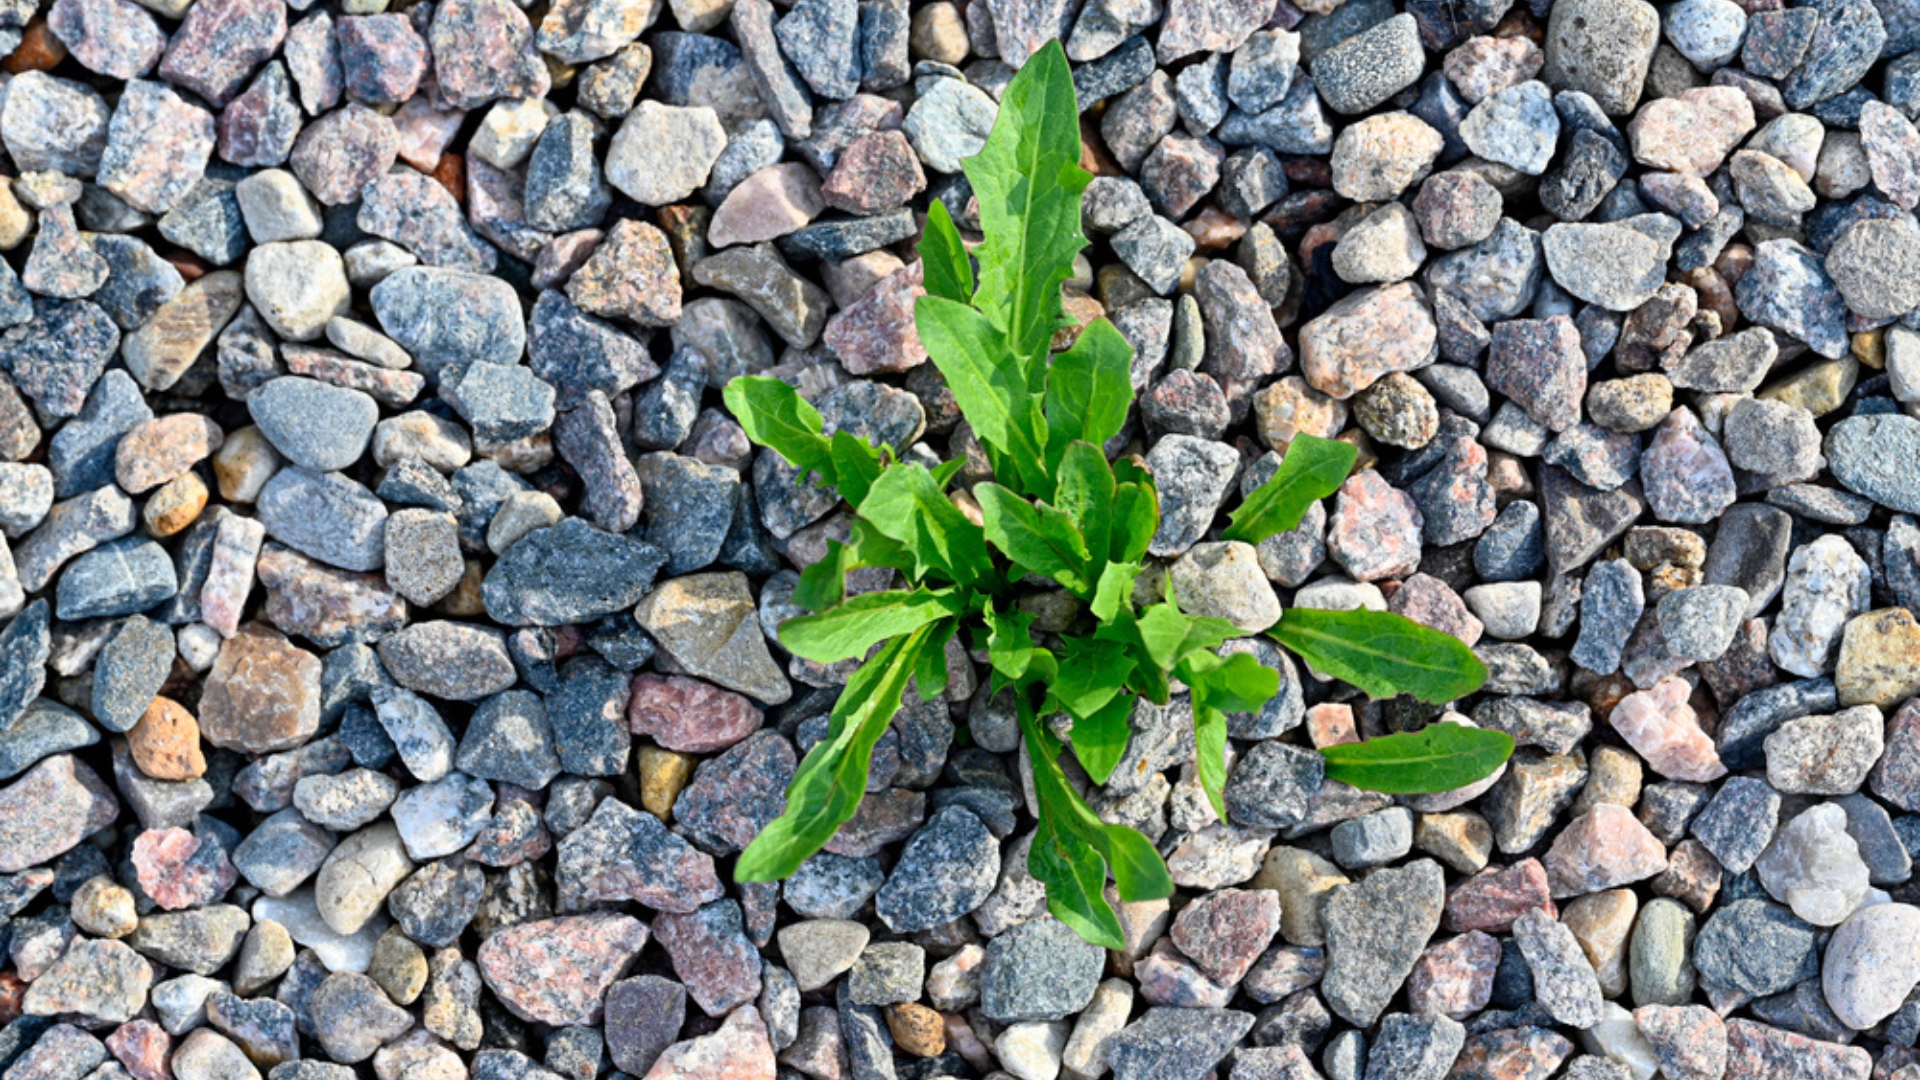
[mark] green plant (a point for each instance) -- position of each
(1057, 510)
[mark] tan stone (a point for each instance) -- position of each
(917, 1029)
(1304, 881)
(1602, 923)
(1879, 659)
(663, 776)
(263, 693)
(175, 506)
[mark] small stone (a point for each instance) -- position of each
(1814, 866)
(1376, 930)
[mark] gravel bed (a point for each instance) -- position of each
(389, 673)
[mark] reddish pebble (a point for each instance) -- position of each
(1455, 977)
(141, 1046)
(690, 715)
(1604, 848)
(556, 971)
(179, 869)
(1491, 899)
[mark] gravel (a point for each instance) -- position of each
(391, 659)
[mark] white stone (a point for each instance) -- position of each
(1031, 1051)
(1510, 610)
(1618, 1038)
(1222, 580)
(440, 818)
(420, 736)
(1827, 584)
(520, 514)
(370, 261)
(1872, 963)
(1104, 1016)
(181, 1003)
(1706, 32)
(199, 645)
(1814, 867)
(663, 153)
(354, 881)
(510, 129)
(1794, 139)
(296, 286)
(1384, 247)
(298, 911)
(276, 207)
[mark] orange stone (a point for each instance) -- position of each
(165, 743)
(176, 505)
(39, 50)
(917, 1029)
(452, 175)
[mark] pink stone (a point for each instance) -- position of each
(1365, 335)
(1167, 977)
(1330, 723)
(876, 172)
(497, 210)
(236, 547)
(1893, 152)
(382, 57)
(1374, 530)
(1431, 602)
(1484, 66)
(556, 971)
(1692, 131)
(739, 1050)
(1604, 848)
(1491, 899)
(1759, 1052)
(876, 333)
(220, 42)
(57, 804)
(1662, 728)
(560, 258)
(1224, 932)
(425, 132)
(157, 451)
(712, 955)
(690, 715)
(115, 38)
(258, 128)
(344, 151)
(769, 204)
(313, 59)
(328, 606)
(631, 275)
(1455, 977)
(1690, 1041)
(141, 1046)
(484, 49)
(180, 870)
(158, 144)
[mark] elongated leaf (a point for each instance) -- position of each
(857, 465)
(828, 786)
(1038, 538)
(1136, 517)
(1439, 757)
(1313, 469)
(1100, 740)
(1028, 180)
(1083, 490)
(864, 621)
(774, 415)
(988, 383)
(1114, 592)
(930, 676)
(905, 503)
(1089, 389)
(1382, 653)
(946, 270)
(1210, 756)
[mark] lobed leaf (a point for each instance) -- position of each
(1028, 180)
(906, 503)
(1313, 468)
(1439, 757)
(775, 416)
(1382, 653)
(831, 781)
(1037, 538)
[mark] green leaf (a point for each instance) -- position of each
(1114, 592)
(1083, 490)
(1009, 642)
(1210, 756)
(906, 504)
(1028, 181)
(857, 465)
(1037, 538)
(1382, 653)
(1076, 880)
(1100, 740)
(774, 415)
(1439, 757)
(987, 380)
(828, 786)
(945, 269)
(1136, 517)
(1314, 468)
(1236, 682)
(824, 584)
(1075, 895)
(1089, 389)
(930, 675)
(864, 621)
(1091, 673)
